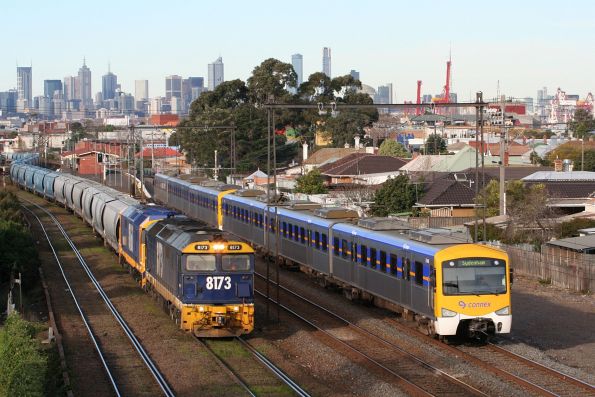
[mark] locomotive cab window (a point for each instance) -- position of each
(235, 262)
(473, 276)
(200, 263)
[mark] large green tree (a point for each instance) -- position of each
(582, 123)
(311, 183)
(270, 80)
(390, 147)
(395, 196)
(435, 144)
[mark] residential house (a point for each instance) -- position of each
(361, 168)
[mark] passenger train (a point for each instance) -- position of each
(447, 284)
(203, 277)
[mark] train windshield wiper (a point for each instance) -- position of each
(451, 284)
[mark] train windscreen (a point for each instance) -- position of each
(474, 276)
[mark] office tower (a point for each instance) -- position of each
(141, 90)
(354, 74)
(382, 95)
(215, 73)
(109, 84)
(192, 87)
(43, 105)
(390, 92)
(69, 88)
(126, 103)
(8, 101)
(50, 87)
(25, 83)
(326, 61)
(155, 106)
(297, 61)
(173, 87)
(84, 85)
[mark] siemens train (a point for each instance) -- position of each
(449, 286)
(203, 277)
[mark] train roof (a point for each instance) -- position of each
(180, 231)
(140, 213)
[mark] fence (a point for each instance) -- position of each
(576, 273)
(438, 221)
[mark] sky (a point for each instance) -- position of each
(520, 46)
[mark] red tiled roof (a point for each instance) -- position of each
(514, 149)
(159, 152)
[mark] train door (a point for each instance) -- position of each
(406, 290)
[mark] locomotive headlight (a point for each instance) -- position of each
(236, 308)
(201, 309)
(505, 311)
(218, 247)
(448, 313)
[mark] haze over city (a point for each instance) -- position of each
(525, 46)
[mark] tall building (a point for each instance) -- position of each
(8, 101)
(173, 86)
(326, 61)
(84, 85)
(109, 84)
(141, 90)
(70, 88)
(50, 87)
(25, 83)
(297, 61)
(215, 73)
(354, 74)
(192, 87)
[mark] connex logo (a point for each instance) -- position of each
(462, 304)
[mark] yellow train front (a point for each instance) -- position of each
(206, 280)
(472, 291)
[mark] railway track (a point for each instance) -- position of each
(236, 375)
(411, 373)
(120, 352)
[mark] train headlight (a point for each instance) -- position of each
(201, 309)
(218, 247)
(236, 308)
(448, 313)
(505, 311)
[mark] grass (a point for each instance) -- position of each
(228, 348)
(545, 281)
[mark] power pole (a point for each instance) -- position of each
(502, 192)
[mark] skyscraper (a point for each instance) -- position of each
(173, 86)
(297, 61)
(70, 88)
(24, 83)
(141, 94)
(50, 87)
(355, 74)
(109, 83)
(192, 88)
(84, 85)
(215, 73)
(326, 61)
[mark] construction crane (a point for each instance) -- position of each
(445, 97)
(418, 109)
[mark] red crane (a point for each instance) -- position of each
(445, 98)
(418, 109)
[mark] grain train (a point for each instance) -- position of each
(448, 285)
(201, 275)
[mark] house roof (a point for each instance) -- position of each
(579, 244)
(422, 163)
(514, 148)
(457, 188)
(558, 190)
(328, 155)
(561, 176)
(511, 172)
(362, 164)
(158, 152)
(456, 146)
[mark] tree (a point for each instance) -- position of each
(390, 147)
(311, 183)
(435, 144)
(582, 123)
(271, 78)
(396, 195)
(573, 151)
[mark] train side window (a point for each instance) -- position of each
(324, 242)
(373, 259)
(336, 248)
(364, 255)
(260, 221)
(394, 264)
(406, 268)
(303, 236)
(317, 240)
(354, 252)
(284, 229)
(296, 233)
(419, 273)
(383, 264)
(344, 251)
(272, 225)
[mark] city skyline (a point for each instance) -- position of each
(534, 46)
